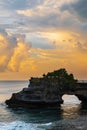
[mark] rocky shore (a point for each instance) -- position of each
(33, 98)
(44, 92)
(36, 96)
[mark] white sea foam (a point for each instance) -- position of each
(50, 123)
(18, 125)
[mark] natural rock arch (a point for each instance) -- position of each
(70, 99)
(47, 91)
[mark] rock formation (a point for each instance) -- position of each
(81, 92)
(45, 92)
(39, 94)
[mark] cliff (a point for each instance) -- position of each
(81, 91)
(46, 92)
(41, 93)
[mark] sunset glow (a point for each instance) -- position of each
(37, 36)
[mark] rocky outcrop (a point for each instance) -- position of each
(39, 94)
(81, 92)
(47, 91)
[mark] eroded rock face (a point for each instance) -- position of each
(38, 95)
(81, 92)
(46, 92)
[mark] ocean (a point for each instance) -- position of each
(72, 115)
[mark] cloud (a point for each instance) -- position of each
(36, 33)
(73, 60)
(78, 7)
(82, 46)
(20, 55)
(23, 4)
(81, 8)
(6, 51)
(39, 41)
(52, 16)
(42, 16)
(13, 51)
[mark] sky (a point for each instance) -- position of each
(37, 36)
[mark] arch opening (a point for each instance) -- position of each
(70, 99)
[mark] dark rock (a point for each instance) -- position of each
(41, 93)
(34, 98)
(46, 92)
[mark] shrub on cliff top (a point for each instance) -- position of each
(66, 81)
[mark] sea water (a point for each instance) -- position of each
(70, 116)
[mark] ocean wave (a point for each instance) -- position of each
(18, 125)
(2, 104)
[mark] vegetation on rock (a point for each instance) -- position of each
(59, 79)
(45, 91)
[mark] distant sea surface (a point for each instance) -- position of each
(71, 116)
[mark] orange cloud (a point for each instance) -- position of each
(21, 59)
(13, 56)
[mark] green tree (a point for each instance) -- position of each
(66, 82)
